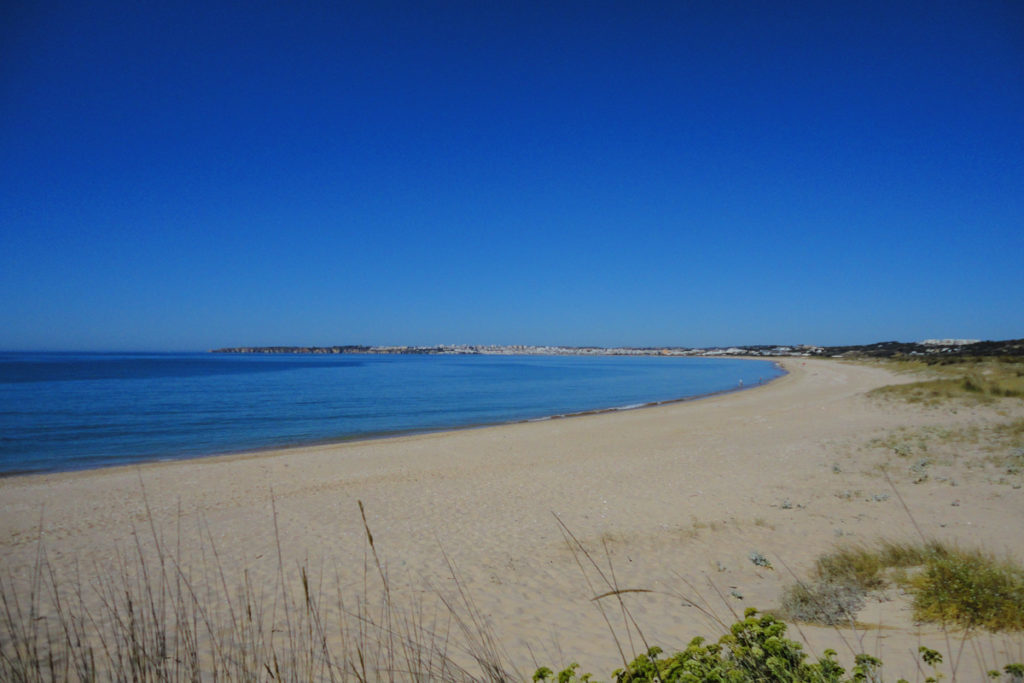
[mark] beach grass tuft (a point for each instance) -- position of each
(970, 588)
(949, 585)
(155, 618)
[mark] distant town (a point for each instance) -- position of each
(927, 347)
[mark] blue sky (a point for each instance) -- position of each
(181, 176)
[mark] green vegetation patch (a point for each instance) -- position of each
(865, 567)
(842, 579)
(968, 588)
(968, 379)
(754, 649)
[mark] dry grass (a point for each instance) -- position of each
(158, 619)
(949, 585)
(162, 620)
(966, 380)
(754, 648)
(841, 580)
(992, 448)
(865, 567)
(822, 602)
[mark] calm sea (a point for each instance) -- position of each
(61, 411)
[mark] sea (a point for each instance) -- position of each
(74, 411)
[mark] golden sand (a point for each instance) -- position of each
(675, 497)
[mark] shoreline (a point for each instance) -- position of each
(398, 434)
(678, 492)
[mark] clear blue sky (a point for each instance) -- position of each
(179, 176)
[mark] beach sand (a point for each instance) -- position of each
(675, 497)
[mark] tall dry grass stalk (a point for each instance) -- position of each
(156, 617)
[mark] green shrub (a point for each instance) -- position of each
(843, 578)
(964, 587)
(755, 650)
(972, 589)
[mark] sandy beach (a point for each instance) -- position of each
(675, 497)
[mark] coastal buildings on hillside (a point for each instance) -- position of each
(928, 347)
(530, 350)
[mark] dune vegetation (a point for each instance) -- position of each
(152, 621)
(972, 379)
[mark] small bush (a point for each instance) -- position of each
(754, 650)
(965, 587)
(823, 602)
(865, 568)
(859, 567)
(971, 589)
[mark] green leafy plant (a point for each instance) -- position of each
(755, 650)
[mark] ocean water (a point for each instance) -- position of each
(63, 411)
